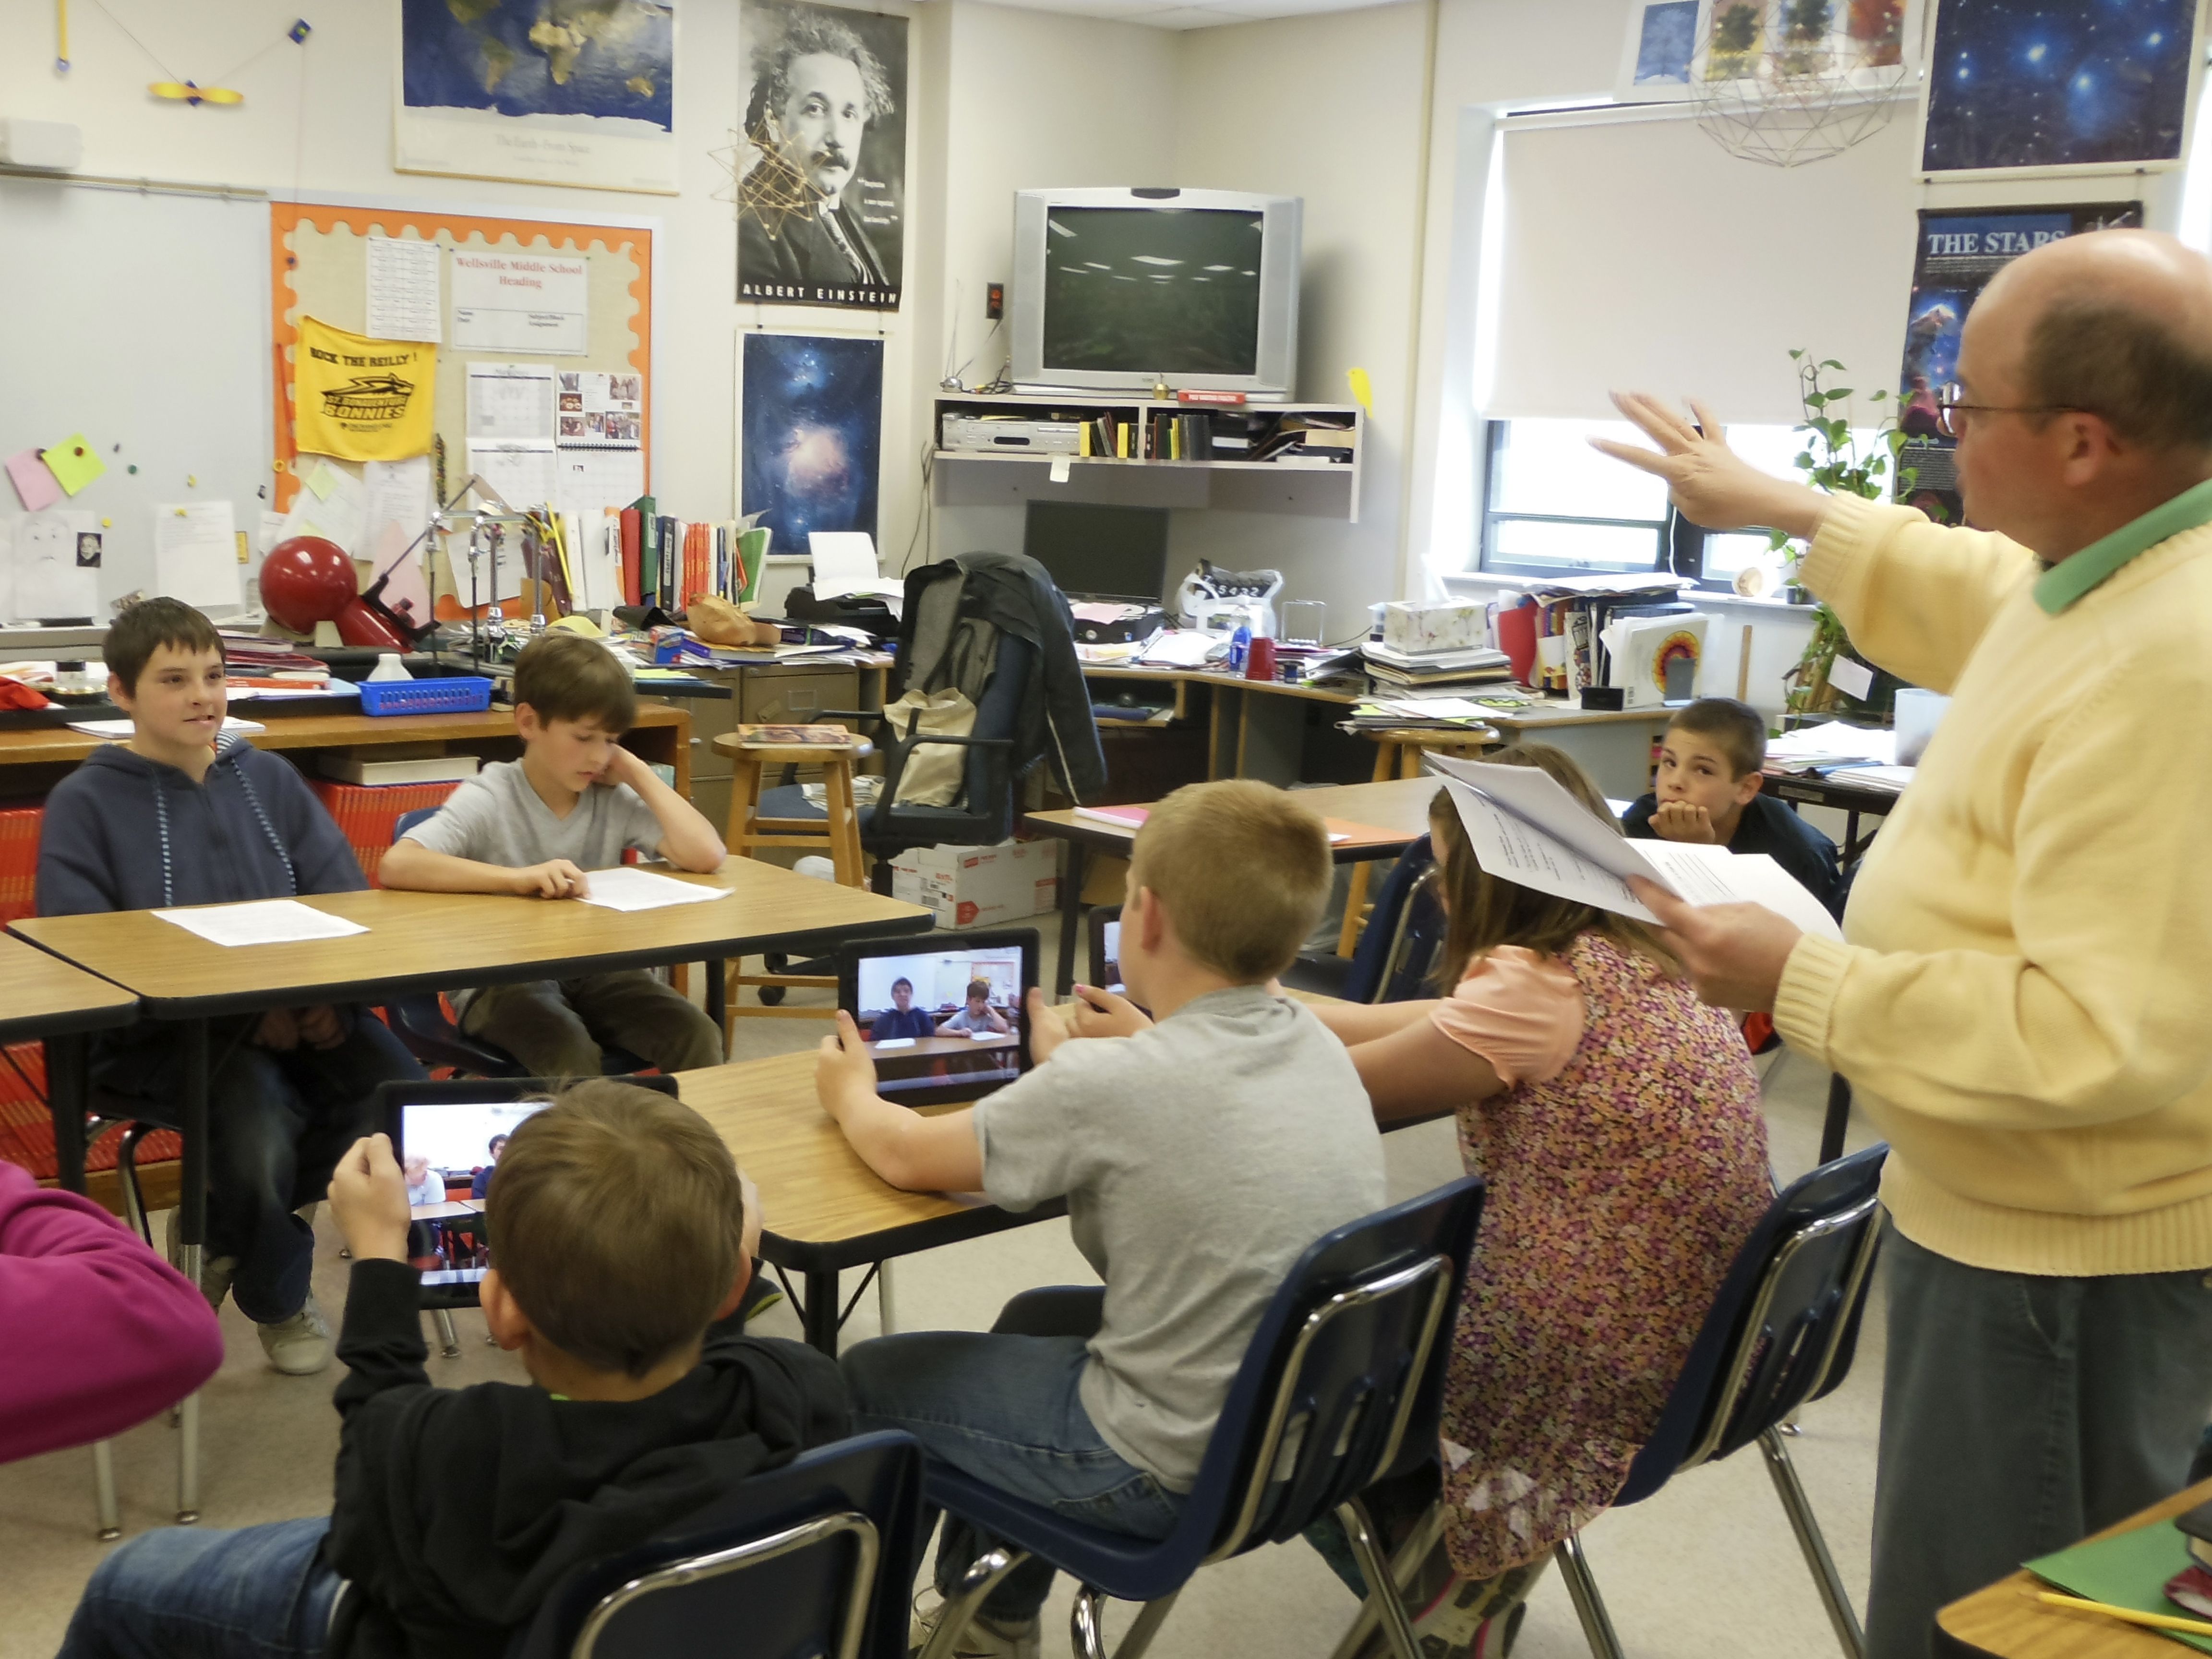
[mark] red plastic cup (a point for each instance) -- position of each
(1260, 659)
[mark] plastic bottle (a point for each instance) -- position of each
(389, 667)
(1240, 647)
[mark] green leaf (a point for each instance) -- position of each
(1815, 399)
(1775, 541)
(1897, 441)
(1877, 394)
(1796, 352)
(1832, 363)
(1804, 462)
(1839, 392)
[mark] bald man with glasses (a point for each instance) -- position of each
(2024, 1008)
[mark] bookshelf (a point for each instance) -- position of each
(991, 446)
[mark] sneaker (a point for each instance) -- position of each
(299, 1346)
(216, 1271)
(760, 1296)
(984, 1638)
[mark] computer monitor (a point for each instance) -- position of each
(1119, 552)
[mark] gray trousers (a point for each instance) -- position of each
(2020, 1414)
(557, 1028)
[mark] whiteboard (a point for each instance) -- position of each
(139, 320)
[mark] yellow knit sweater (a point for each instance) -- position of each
(2025, 1007)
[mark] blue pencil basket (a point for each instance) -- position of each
(464, 694)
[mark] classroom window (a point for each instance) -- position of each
(1553, 505)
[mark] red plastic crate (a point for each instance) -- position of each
(19, 860)
(366, 813)
(27, 1128)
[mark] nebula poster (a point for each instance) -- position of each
(2058, 83)
(810, 434)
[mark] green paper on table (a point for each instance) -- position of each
(2129, 1571)
(73, 463)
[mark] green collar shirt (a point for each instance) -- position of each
(2066, 581)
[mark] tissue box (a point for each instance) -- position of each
(1449, 625)
(980, 886)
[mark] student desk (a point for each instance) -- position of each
(2005, 1620)
(1838, 793)
(1398, 810)
(33, 761)
(427, 942)
(956, 1044)
(822, 1208)
(41, 997)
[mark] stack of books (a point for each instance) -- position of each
(1460, 667)
(1417, 715)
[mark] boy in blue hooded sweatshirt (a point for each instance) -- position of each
(182, 814)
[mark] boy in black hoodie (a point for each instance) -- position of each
(183, 814)
(624, 1240)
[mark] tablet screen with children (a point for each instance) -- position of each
(945, 1024)
(448, 1149)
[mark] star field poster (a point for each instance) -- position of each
(1958, 252)
(810, 435)
(543, 92)
(2058, 83)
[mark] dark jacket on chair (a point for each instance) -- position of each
(1011, 592)
(458, 1509)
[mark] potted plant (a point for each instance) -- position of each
(1838, 459)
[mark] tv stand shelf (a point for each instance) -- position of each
(1027, 454)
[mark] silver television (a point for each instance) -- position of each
(1117, 290)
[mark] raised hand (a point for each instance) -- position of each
(1711, 484)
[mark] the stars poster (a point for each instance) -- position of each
(1958, 252)
(821, 163)
(810, 435)
(2058, 83)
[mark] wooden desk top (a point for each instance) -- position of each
(54, 743)
(922, 1047)
(42, 996)
(420, 942)
(2006, 1620)
(1222, 678)
(821, 1207)
(1400, 808)
(1567, 714)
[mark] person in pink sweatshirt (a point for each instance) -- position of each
(101, 1332)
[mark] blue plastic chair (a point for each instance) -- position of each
(1781, 1332)
(420, 1020)
(1340, 1386)
(812, 1558)
(1403, 906)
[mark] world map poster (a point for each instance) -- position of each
(544, 92)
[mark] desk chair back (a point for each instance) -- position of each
(982, 814)
(817, 1557)
(1781, 1332)
(1341, 1385)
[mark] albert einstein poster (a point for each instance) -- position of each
(822, 160)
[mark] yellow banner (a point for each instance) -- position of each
(361, 399)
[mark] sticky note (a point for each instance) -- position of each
(73, 463)
(1363, 391)
(34, 481)
(323, 480)
(1060, 469)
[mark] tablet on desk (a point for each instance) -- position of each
(451, 1126)
(945, 1021)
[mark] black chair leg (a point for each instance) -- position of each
(1840, 1118)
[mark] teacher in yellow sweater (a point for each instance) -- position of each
(2025, 1007)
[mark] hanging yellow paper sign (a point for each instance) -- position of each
(361, 399)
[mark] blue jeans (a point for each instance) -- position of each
(1002, 1407)
(191, 1593)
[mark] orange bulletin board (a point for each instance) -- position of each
(319, 268)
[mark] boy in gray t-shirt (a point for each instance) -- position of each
(575, 802)
(1199, 1157)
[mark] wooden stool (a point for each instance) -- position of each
(1398, 755)
(838, 835)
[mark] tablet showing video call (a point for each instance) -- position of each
(947, 1022)
(448, 1137)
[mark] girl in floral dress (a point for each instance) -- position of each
(1616, 1119)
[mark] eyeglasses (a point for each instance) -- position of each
(1952, 410)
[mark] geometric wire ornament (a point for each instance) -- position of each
(1789, 82)
(762, 180)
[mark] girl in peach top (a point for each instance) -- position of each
(1616, 1121)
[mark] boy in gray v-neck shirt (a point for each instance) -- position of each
(575, 802)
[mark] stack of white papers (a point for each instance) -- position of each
(845, 563)
(121, 731)
(1523, 827)
(264, 922)
(626, 888)
(1186, 647)
(1834, 744)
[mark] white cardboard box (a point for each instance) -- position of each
(980, 886)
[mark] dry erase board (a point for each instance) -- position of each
(139, 319)
(318, 267)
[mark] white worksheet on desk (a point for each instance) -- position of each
(627, 888)
(262, 921)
